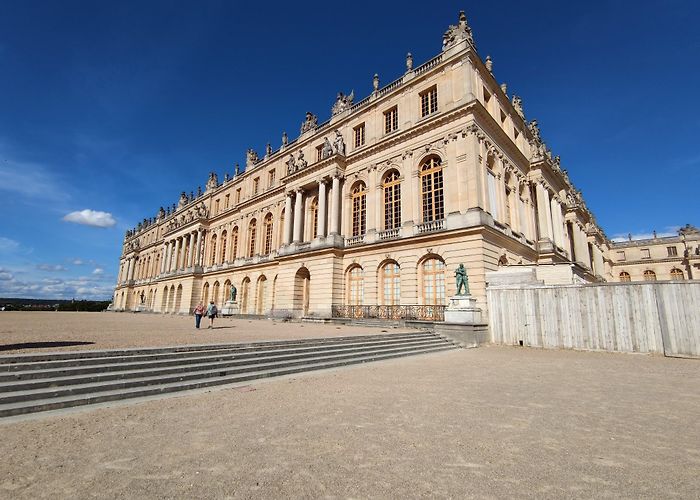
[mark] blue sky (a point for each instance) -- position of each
(111, 110)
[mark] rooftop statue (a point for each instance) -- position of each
(213, 181)
(183, 200)
(301, 162)
(342, 102)
(518, 106)
(310, 123)
(285, 139)
(251, 158)
(268, 150)
(290, 164)
(457, 33)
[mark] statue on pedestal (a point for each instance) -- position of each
(234, 292)
(462, 280)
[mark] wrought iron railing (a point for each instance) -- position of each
(415, 312)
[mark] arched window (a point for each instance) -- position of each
(212, 254)
(392, 200)
(649, 275)
(676, 274)
(433, 282)
(223, 247)
(268, 234)
(431, 189)
(251, 237)
(391, 284)
(234, 243)
(625, 276)
(356, 289)
(314, 218)
(359, 209)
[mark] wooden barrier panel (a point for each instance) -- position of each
(661, 317)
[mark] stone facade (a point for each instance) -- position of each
(657, 259)
(375, 207)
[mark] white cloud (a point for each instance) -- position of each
(98, 270)
(89, 217)
(50, 267)
(5, 275)
(30, 180)
(8, 245)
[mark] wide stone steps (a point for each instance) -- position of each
(32, 383)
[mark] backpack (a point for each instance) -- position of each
(214, 310)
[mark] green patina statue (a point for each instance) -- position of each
(234, 292)
(462, 280)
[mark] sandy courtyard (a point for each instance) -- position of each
(124, 330)
(489, 423)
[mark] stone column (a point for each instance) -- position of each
(321, 208)
(130, 269)
(162, 259)
(190, 246)
(298, 201)
(544, 213)
(288, 217)
(200, 247)
(176, 255)
(335, 205)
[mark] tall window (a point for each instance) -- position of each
(356, 290)
(391, 281)
(234, 243)
(649, 275)
(216, 207)
(227, 200)
(391, 120)
(251, 237)
(268, 234)
(271, 178)
(431, 189)
(676, 274)
(256, 185)
(434, 282)
(672, 251)
(238, 195)
(625, 276)
(319, 152)
(212, 256)
(506, 194)
(392, 200)
(428, 101)
(359, 210)
(314, 218)
(223, 247)
(359, 135)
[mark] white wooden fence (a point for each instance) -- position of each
(660, 317)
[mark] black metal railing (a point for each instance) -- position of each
(415, 312)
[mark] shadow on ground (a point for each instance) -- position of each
(42, 345)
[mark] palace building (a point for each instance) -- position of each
(371, 211)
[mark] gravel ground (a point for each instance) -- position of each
(47, 331)
(492, 422)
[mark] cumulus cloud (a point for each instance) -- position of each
(5, 275)
(50, 267)
(98, 270)
(89, 217)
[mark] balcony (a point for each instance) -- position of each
(355, 240)
(429, 227)
(389, 234)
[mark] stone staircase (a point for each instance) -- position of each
(40, 382)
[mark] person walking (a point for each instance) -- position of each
(198, 313)
(212, 312)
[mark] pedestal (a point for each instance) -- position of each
(462, 310)
(141, 308)
(230, 308)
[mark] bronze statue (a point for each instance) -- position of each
(234, 292)
(462, 280)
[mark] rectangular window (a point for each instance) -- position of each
(256, 185)
(216, 207)
(493, 201)
(487, 96)
(621, 255)
(645, 253)
(503, 118)
(359, 135)
(391, 120)
(271, 178)
(428, 101)
(226, 202)
(238, 195)
(672, 251)
(319, 152)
